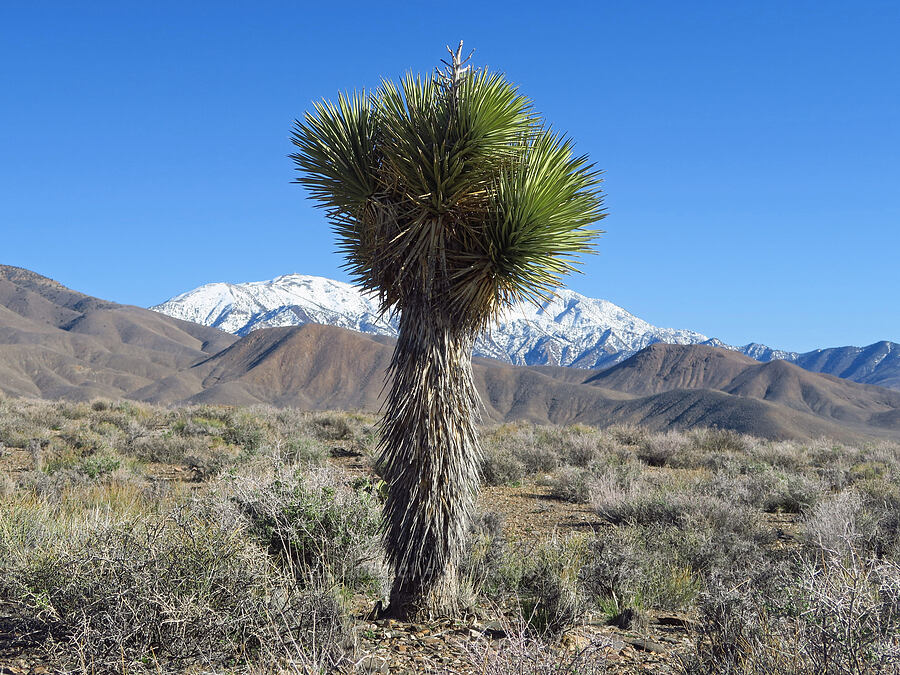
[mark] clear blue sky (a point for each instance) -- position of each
(751, 149)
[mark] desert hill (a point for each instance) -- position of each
(878, 363)
(660, 368)
(321, 367)
(58, 343)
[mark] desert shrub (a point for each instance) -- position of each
(614, 569)
(572, 484)
(100, 464)
(102, 594)
(513, 451)
(245, 429)
(854, 520)
(197, 425)
(832, 615)
(627, 434)
(168, 448)
(714, 449)
(74, 411)
(50, 487)
(848, 611)
(832, 525)
(482, 564)
(714, 440)
(788, 456)
(660, 449)
(732, 634)
(538, 458)
(499, 466)
(583, 449)
(652, 507)
(7, 486)
(316, 527)
(882, 537)
(99, 405)
(750, 487)
(764, 488)
(305, 450)
(366, 443)
(206, 462)
(19, 433)
(549, 592)
(86, 441)
(639, 568)
(332, 427)
(521, 652)
(684, 535)
(793, 493)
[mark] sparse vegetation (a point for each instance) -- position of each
(143, 539)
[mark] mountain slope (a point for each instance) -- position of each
(878, 364)
(571, 330)
(55, 342)
(315, 366)
(661, 368)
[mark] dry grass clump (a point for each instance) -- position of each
(540, 585)
(316, 527)
(520, 651)
(101, 591)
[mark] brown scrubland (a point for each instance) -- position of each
(138, 538)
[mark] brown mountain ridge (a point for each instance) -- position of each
(58, 343)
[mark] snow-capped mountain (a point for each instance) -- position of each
(571, 330)
(289, 300)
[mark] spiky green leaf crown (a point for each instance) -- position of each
(449, 193)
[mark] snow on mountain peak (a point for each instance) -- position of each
(570, 329)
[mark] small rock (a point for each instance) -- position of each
(628, 618)
(674, 620)
(645, 645)
(575, 641)
(493, 630)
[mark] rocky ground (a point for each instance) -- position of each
(529, 514)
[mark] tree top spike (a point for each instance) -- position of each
(457, 67)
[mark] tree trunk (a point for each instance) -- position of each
(430, 457)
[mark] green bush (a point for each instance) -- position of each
(317, 527)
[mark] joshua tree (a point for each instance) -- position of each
(450, 199)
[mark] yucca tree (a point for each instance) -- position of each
(450, 199)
